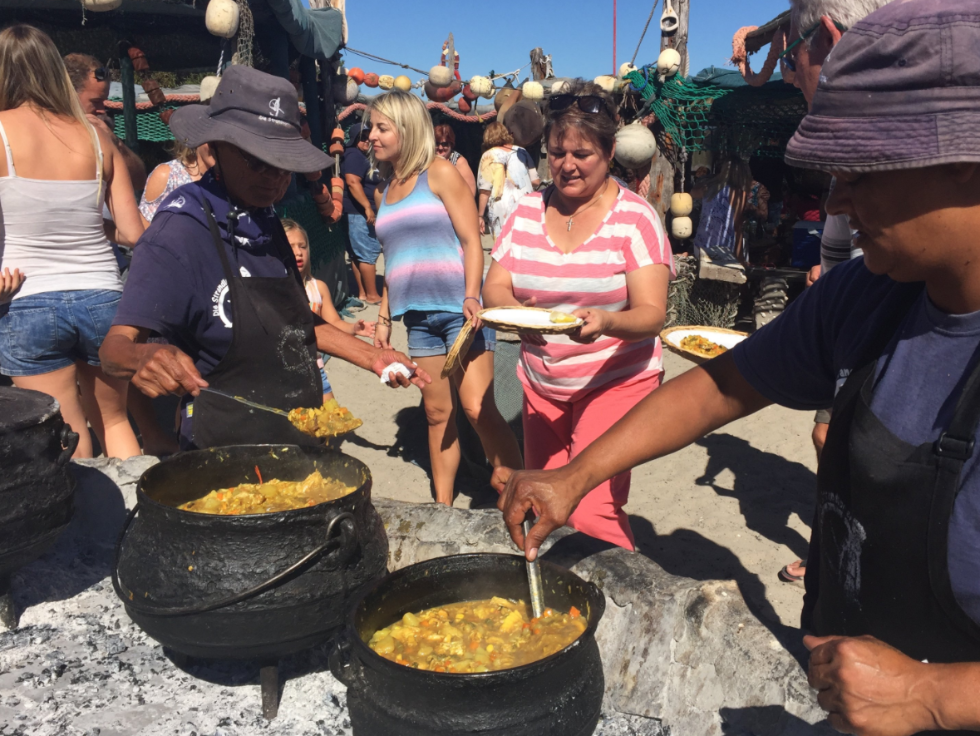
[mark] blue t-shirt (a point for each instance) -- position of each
(356, 163)
(176, 285)
(802, 359)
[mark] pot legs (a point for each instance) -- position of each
(8, 617)
(269, 678)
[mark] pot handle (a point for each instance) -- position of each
(69, 441)
(339, 659)
(346, 546)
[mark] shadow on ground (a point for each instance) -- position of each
(768, 720)
(769, 489)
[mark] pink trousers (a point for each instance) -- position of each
(557, 431)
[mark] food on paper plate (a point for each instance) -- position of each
(702, 346)
(329, 420)
(560, 318)
(270, 496)
(477, 636)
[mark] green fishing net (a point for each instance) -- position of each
(149, 126)
(718, 111)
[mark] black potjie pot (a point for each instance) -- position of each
(241, 587)
(560, 695)
(36, 488)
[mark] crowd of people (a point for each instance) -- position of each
(220, 302)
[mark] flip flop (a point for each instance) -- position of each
(787, 577)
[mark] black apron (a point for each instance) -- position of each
(271, 360)
(877, 563)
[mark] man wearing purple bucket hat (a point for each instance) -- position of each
(215, 276)
(892, 606)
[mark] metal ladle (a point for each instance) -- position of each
(534, 573)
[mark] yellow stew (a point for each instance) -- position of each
(477, 636)
(273, 495)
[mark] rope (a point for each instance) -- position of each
(373, 57)
(359, 106)
(741, 58)
(511, 74)
(642, 35)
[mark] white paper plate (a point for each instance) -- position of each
(528, 318)
(725, 339)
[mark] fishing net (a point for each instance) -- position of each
(696, 114)
(695, 301)
(683, 110)
(149, 126)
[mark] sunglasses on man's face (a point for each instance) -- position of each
(589, 104)
(788, 57)
(259, 167)
(100, 74)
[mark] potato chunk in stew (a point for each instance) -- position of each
(477, 636)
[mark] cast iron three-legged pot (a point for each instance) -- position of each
(260, 586)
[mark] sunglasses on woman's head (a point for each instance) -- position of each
(100, 74)
(590, 104)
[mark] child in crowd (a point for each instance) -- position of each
(320, 300)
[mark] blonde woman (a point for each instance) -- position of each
(433, 273)
(55, 173)
(188, 164)
(506, 174)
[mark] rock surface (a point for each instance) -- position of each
(681, 656)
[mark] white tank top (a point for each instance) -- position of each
(52, 231)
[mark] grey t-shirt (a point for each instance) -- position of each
(801, 359)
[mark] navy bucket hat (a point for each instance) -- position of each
(901, 90)
(257, 112)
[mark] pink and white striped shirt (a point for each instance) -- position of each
(593, 275)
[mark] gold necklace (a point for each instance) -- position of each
(571, 218)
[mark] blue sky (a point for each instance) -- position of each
(577, 33)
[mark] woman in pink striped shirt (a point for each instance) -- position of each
(586, 246)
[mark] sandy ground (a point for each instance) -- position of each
(735, 505)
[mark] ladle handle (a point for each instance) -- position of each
(534, 576)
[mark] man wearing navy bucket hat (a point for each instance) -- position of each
(215, 276)
(892, 606)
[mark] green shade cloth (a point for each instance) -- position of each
(317, 33)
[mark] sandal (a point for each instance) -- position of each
(787, 577)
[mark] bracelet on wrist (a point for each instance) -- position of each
(386, 321)
(474, 298)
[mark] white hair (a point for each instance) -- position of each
(807, 13)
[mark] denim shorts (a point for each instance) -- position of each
(326, 381)
(42, 333)
(363, 240)
(433, 333)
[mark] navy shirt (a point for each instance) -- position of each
(803, 358)
(356, 163)
(176, 285)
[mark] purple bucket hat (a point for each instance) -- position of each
(257, 112)
(901, 90)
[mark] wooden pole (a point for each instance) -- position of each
(128, 79)
(614, 71)
(664, 178)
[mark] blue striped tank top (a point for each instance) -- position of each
(423, 256)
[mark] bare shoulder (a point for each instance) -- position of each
(443, 174)
(156, 182)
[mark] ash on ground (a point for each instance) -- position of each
(77, 666)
